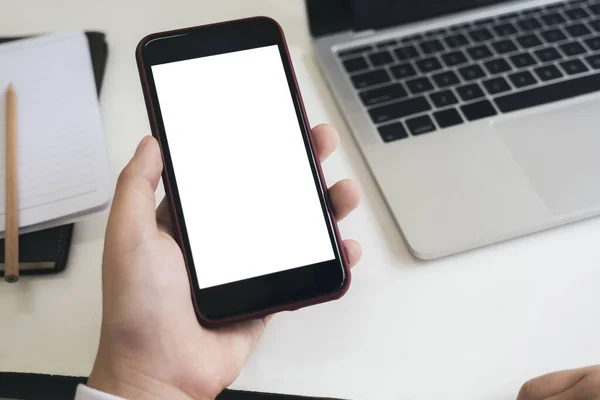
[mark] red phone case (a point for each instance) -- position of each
(166, 181)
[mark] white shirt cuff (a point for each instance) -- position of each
(87, 393)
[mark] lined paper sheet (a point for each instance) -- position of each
(62, 165)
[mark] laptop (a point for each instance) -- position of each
(479, 119)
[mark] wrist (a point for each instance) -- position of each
(124, 381)
(121, 378)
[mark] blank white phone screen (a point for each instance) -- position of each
(248, 195)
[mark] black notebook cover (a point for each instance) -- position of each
(46, 251)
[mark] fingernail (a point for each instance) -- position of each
(142, 144)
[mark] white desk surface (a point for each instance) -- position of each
(472, 326)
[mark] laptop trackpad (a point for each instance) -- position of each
(559, 151)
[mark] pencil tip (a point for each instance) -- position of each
(10, 88)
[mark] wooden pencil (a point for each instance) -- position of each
(11, 242)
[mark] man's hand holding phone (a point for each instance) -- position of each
(151, 344)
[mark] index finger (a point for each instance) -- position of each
(325, 140)
(163, 217)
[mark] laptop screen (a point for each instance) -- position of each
(329, 16)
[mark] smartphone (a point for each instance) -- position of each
(247, 196)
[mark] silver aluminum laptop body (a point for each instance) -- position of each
(479, 182)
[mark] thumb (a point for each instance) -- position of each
(550, 385)
(133, 213)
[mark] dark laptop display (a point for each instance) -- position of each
(330, 16)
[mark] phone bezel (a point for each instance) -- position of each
(262, 295)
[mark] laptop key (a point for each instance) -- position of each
(529, 41)
(496, 85)
(429, 64)
(505, 29)
(548, 73)
(399, 109)
(497, 66)
(577, 30)
(575, 14)
(572, 48)
(595, 24)
(594, 61)
(431, 46)
(593, 43)
(354, 50)
(529, 24)
(381, 58)
(403, 71)
(355, 64)
(470, 92)
(454, 58)
(443, 98)
(547, 54)
(444, 79)
(522, 60)
(419, 85)
(481, 35)
(447, 118)
(383, 94)
(549, 93)
(420, 125)
(573, 67)
(371, 78)
(479, 52)
(504, 46)
(552, 19)
(522, 79)
(478, 110)
(457, 40)
(553, 36)
(471, 72)
(391, 132)
(406, 52)
(594, 8)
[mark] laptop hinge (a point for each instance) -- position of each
(366, 32)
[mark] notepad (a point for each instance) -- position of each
(62, 164)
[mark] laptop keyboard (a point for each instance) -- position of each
(466, 72)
